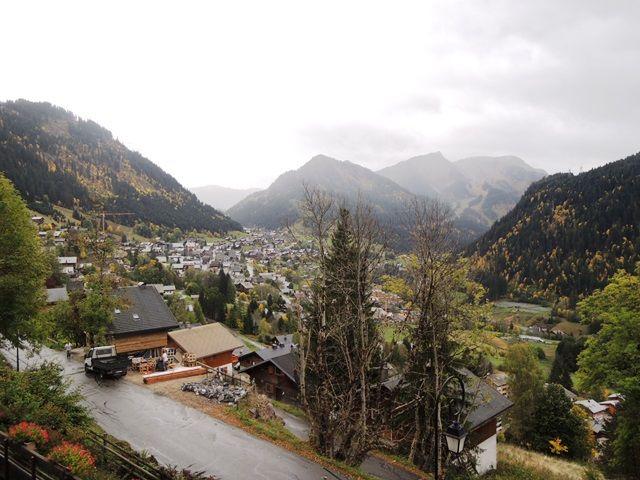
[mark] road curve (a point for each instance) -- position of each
(176, 434)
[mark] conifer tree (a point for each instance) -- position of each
(340, 354)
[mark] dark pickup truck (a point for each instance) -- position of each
(104, 361)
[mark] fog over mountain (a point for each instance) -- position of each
(480, 189)
(279, 203)
(221, 197)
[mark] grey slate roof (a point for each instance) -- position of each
(270, 352)
(486, 402)
(147, 304)
(286, 363)
(55, 295)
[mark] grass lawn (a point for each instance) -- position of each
(515, 463)
(571, 328)
(278, 434)
(500, 347)
(292, 409)
(505, 313)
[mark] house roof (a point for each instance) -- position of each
(144, 311)
(55, 295)
(286, 363)
(498, 378)
(591, 405)
(206, 340)
(568, 393)
(486, 402)
(67, 260)
(272, 352)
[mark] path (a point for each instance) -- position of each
(176, 434)
(372, 465)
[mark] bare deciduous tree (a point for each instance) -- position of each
(438, 309)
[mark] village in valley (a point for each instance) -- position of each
(329, 241)
(245, 348)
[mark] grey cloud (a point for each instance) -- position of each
(557, 83)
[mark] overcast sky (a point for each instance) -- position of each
(235, 93)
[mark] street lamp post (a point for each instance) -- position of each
(455, 432)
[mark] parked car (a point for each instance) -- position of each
(105, 361)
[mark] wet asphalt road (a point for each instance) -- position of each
(179, 435)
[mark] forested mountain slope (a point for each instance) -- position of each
(566, 235)
(279, 203)
(51, 155)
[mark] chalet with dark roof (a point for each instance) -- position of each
(141, 324)
(276, 376)
(482, 419)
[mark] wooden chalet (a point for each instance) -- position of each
(483, 420)
(212, 344)
(142, 323)
(276, 376)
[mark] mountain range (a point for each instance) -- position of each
(279, 204)
(54, 157)
(221, 198)
(566, 235)
(479, 189)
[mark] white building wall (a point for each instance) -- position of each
(487, 455)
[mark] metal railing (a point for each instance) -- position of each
(129, 465)
(21, 463)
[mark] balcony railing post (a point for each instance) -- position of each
(33, 468)
(6, 458)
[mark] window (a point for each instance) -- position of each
(271, 370)
(269, 388)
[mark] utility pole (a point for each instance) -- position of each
(113, 214)
(17, 359)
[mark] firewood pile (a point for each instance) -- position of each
(215, 389)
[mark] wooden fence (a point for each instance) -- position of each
(223, 375)
(20, 463)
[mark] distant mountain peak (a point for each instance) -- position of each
(480, 189)
(322, 158)
(277, 204)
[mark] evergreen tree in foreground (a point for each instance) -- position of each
(341, 359)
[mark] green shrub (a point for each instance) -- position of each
(42, 396)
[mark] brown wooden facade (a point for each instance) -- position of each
(480, 434)
(217, 360)
(274, 383)
(138, 342)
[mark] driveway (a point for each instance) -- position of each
(176, 434)
(373, 465)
